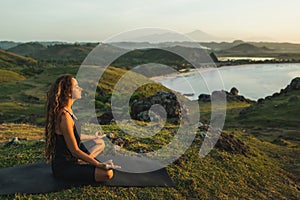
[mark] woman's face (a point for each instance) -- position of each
(76, 90)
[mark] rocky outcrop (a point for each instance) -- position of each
(168, 100)
(294, 85)
(106, 118)
(231, 96)
(226, 142)
(231, 144)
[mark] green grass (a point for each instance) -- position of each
(9, 76)
(220, 175)
(270, 170)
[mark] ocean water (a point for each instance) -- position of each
(253, 81)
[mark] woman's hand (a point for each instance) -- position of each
(99, 135)
(107, 165)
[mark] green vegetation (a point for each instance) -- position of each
(9, 76)
(270, 168)
(223, 175)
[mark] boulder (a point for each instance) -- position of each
(295, 84)
(234, 91)
(167, 100)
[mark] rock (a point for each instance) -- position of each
(110, 135)
(276, 94)
(106, 118)
(119, 141)
(295, 84)
(219, 95)
(204, 97)
(14, 141)
(260, 101)
(157, 141)
(234, 91)
(167, 101)
(231, 144)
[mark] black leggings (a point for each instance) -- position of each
(74, 171)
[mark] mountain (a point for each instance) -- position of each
(8, 44)
(30, 49)
(201, 36)
(245, 49)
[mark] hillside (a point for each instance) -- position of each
(272, 111)
(245, 49)
(8, 59)
(239, 167)
(17, 63)
(30, 49)
(9, 76)
(8, 44)
(225, 173)
(61, 53)
(24, 101)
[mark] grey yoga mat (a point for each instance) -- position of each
(37, 178)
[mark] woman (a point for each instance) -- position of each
(63, 147)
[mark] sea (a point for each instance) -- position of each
(253, 81)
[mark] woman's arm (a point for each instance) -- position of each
(66, 127)
(92, 137)
(87, 137)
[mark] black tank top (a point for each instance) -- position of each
(62, 153)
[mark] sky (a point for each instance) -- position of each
(97, 20)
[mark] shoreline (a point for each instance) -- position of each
(232, 80)
(193, 71)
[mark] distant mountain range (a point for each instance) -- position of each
(157, 36)
(75, 53)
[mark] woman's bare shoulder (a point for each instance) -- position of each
(65, 118)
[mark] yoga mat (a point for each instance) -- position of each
(37, 178)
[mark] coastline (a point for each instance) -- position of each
(253, 83)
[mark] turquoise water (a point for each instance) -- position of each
(253, 81)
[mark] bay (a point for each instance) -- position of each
(253, 81)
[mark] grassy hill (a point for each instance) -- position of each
(7, 44)
(17, 63)
(28, 49)
(282, 52)
(24, 100)
(273, 111)
(222, 174)
(10, 76)
(246, 48)
(58, 53)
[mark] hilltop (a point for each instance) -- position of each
(57, 53)
(245, 49)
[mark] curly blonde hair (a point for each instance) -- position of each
(57, 98)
